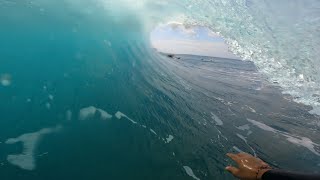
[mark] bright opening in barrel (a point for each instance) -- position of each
(176, 38)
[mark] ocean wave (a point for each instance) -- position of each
(282, 42)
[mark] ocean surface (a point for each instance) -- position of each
(83, 95)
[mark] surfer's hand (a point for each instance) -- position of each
(249, 167)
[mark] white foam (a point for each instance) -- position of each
(69, 115)
(51, 96)
(220, 99)
(90, 111)
(104, 114)
(237, 149)
(245, 140)
(5, 82)
(5, 79)
(242, 137)
(315, 110)
(251, 109)
(190, 172)
(87, 112)
(216, 119)
(43, 154)
(305, 142)
(153, 131)
(144, 126)
(297, 140)
(48, 105)
(262, 126)
(26, 159)
(120, 115)
(169, 139)
(244, 127)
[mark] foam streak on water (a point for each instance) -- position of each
(297, 140)
(26, 160)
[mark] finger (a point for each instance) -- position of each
(233, 157)
(242, 154)
(262, 162)
(265, 164)
(232, 170)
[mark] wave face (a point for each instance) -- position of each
(125, 111)
(281, 38)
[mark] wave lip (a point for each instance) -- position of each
(282, 42)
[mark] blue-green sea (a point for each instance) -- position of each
(83, 94)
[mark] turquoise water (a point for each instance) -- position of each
(84, 95)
